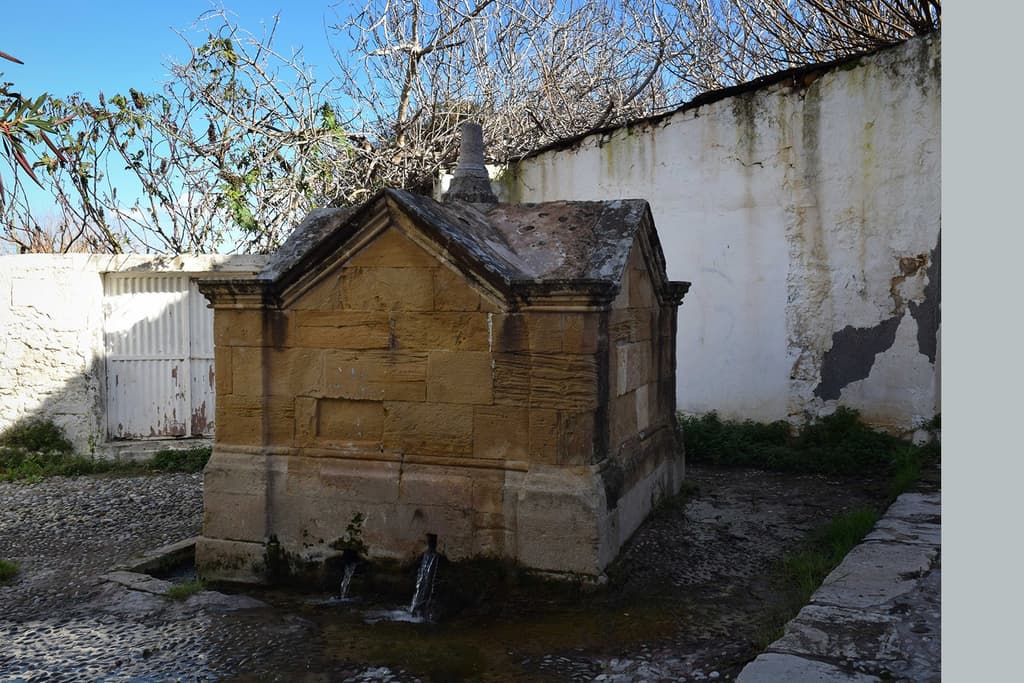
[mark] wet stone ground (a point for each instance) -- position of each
(688, 600)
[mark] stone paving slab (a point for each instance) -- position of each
(875, 573)
(138, 582)
(839, 632)
(773, 667)
(917, 506)
(877, 615)
(130, 600)
(903, 531)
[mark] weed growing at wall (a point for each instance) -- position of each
(7, 571)
(35, 450)
(805, 569)
(31, 450)
(181, 591)
(187, 460)
(36, 435)
(17, 464)
(353, 538)
(835, 444)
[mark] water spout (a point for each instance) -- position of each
(425, 578)
(346, 579)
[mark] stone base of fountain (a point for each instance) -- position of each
(551, 519)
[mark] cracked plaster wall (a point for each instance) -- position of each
(807, 216)
(52, 346)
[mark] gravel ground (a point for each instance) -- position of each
(707, 561)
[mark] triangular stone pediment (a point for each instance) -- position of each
(515, 254)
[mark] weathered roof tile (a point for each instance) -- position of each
(524, 244)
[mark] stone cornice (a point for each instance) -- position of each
(237, 293)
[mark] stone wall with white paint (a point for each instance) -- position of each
(806, 212)
(52, 341)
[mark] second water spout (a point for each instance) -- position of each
(425, 578)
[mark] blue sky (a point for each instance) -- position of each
(70, 46)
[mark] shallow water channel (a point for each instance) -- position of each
(523, 632)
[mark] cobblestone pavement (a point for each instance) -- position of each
(690, 598)
(64, 531)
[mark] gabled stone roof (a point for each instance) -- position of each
(317, 225)
(563, 242)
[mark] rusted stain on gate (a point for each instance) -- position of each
(199, 419)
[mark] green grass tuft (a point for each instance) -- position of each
(804, 570)
(181, 591)
(30, 452)
(834, 444)
(801, 572)
(36, 435)
(185, 460)
(20, 465)
(8, 570)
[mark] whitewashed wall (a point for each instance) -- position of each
(807, 216)
(52, 345)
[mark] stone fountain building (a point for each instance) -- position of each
(499, 376)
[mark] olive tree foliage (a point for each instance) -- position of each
(243, 140)
(24, 124)
(240, 142)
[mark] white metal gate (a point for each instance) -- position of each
(159, 352)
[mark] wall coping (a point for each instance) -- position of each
(140, 263)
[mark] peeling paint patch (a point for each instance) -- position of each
(853, 354)
(199, 420)
(927, 314)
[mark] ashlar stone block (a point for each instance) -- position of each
(360, 481)
(350, 421)
(325, 295)
(545, 332)
(252, 420)
(376, 375)
(460, 377)
(387, 289)
(563, 381)
(443, 331)
(428, 428)
(453, 293)
(256, 371)
(240, 328)
(342, 329)
(641, 293)
(501, 432)
(581, 333)
(392, 249)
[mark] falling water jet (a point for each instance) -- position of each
(346, 579)
(425, 578)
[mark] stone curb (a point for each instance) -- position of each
(877, 615)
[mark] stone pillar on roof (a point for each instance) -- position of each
(471, 182)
